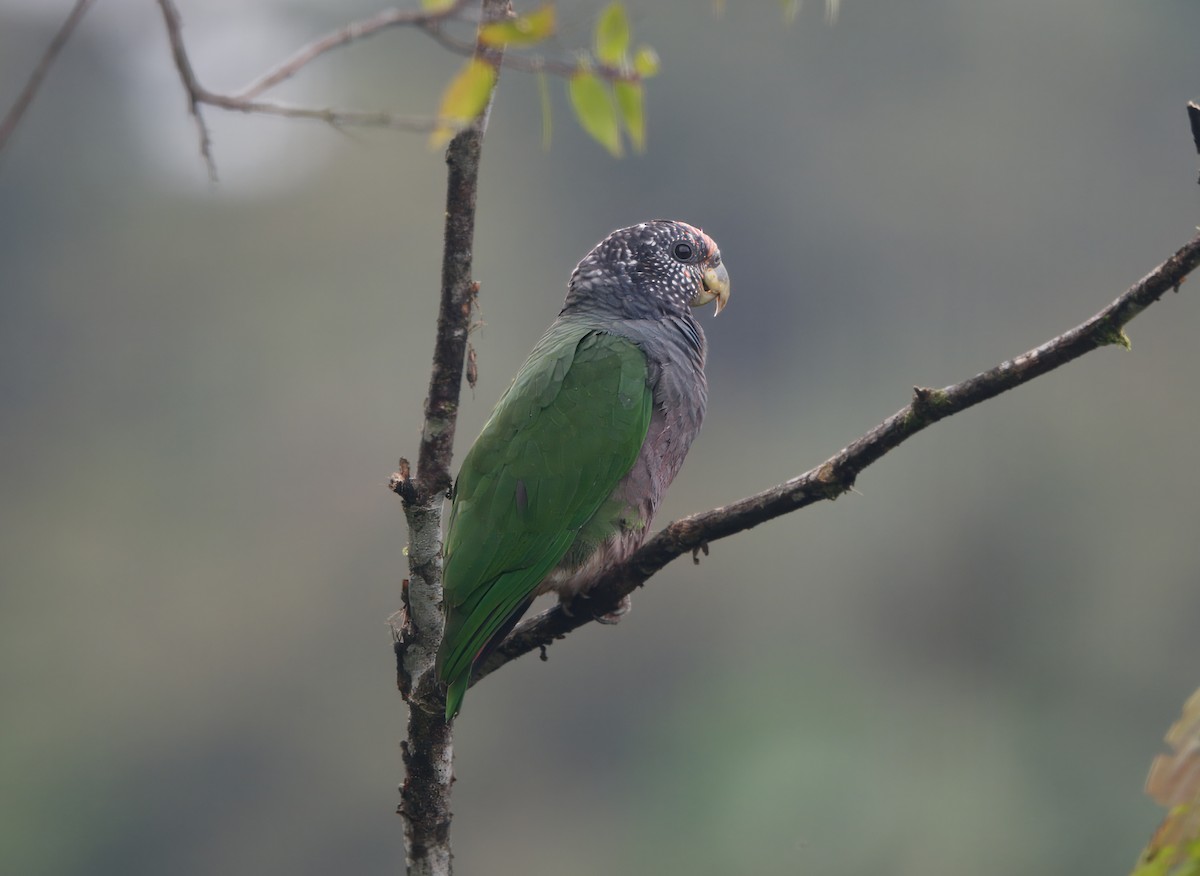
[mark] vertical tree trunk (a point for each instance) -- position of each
(429, 748)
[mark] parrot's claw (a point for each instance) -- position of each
(615, 616)
(611, 617)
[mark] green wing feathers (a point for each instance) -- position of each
(556, 446)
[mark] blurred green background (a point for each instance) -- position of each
(965, 669)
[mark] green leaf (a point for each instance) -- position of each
(524, 30)
(645, 62)
(463, 100)
(593, 105)
(629, 102)
(612, 35)
(436, 5)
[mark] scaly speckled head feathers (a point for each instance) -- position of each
(648, 271)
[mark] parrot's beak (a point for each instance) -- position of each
(714, 283)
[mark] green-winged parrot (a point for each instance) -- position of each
(568, 471)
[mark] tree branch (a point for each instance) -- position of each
(198, 95)
(837, 474)
(245, 101)
(355, 30)
(195, 93)
(13, 117)
(533, 63)
(429, 750)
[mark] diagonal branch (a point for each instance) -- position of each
(198, 95)
(13, 117)
(837, 474)
(534, 63)
(433, 25)
(337, 118)
(355, 30)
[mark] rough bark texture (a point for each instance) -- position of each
(429, 747)
(454, 316)
(425, 795)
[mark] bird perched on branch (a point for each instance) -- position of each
(566, 475)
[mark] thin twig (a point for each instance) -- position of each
(533, 63)
(837, 474)
(431, 23)
(355, 30)
(244, 101)
(25, 98)
(338, 118)
(198, 95)
(191, 85)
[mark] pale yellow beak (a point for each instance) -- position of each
(714, 284)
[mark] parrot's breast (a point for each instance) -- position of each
(675, 359)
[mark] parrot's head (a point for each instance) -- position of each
(647, 271)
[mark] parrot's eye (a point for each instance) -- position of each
(682, 251)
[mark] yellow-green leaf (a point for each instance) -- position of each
(524, 30)
(790, 9)
(593, 105)
(436, 5)
(645, 62)
(612, 35)
(1174, 782)
(629, 102)
(463, 100)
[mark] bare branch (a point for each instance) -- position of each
(25, 98)
(195, 94)
(198, 95)
(337, 118)
(431, 23)
(355, 30)
(245, 101)
(837, 474)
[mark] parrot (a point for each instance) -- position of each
(565, 477)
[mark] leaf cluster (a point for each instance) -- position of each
(605, 86)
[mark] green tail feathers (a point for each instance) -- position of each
(455, 692)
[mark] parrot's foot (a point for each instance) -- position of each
(615, 616)
(611, 617)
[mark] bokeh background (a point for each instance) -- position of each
(967, 667)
